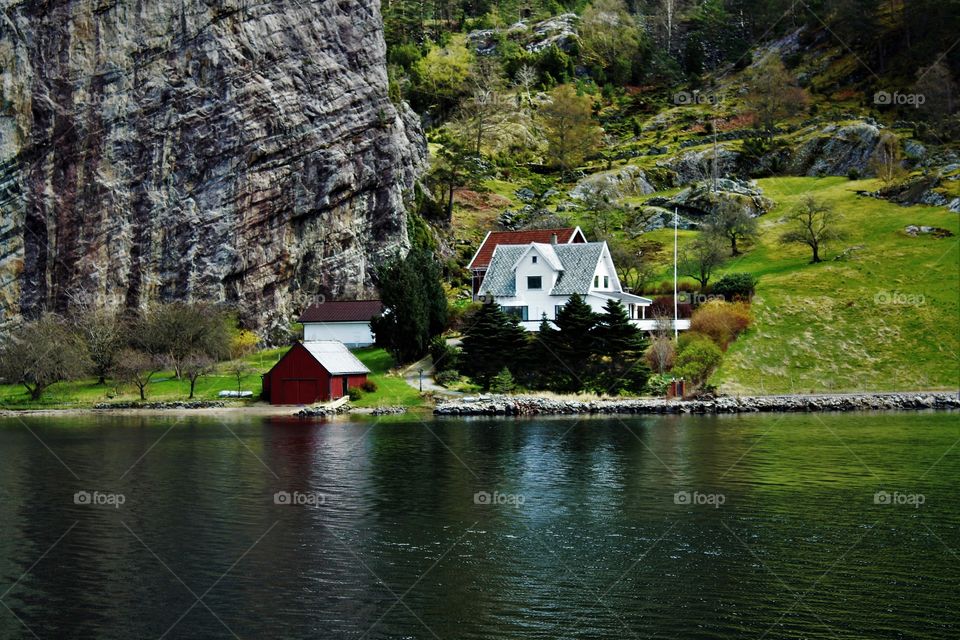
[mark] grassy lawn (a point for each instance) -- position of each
(887, 319)
(391, 389)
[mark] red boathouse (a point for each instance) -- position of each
(313, 372)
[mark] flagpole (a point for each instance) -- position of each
(676, 331)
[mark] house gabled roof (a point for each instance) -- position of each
(335, 357)
(481, 259)
(342, 311)
(578, 263)
(545, 250)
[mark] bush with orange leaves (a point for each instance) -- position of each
(721, 321)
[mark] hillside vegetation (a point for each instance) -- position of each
(838, 101)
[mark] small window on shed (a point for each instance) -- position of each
(534, 259)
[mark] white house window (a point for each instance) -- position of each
(534, 282)
(519, 312)
(556, 310)
(606, 282)
(534, 259)
(596, 282)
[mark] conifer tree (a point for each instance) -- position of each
(492, 341)
(572, 345)
(620, 345)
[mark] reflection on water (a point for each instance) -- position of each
(690, 527)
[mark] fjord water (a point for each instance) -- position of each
(675, 527)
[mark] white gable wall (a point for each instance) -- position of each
(352, 334)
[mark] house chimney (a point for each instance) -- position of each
(553, 238)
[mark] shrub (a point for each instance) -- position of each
(663, 305)
(736, 286)
(721, 321)
(698, 359)
(660, 354)
(444, 356)
(503, 382)
(355, 393)
(657, 384)
(369, 386)
(853, 173)
(447, 377)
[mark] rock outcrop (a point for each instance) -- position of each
(701, 199)
(234, 151)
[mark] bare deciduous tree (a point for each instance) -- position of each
(813, 223)
(701, 258)
(195, 365)
(136, 368)
(887, 158)
(40, 353)
(102, 332)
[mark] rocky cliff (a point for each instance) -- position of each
(230, 150)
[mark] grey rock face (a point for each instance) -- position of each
(560, 31)
(700, 200)
(837, 150)
(234, 151)
(628, 181)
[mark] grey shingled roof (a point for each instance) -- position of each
(579, 264)
(335, 357)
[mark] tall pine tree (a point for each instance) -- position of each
(492, 341)
(620, 346)
(572, 346)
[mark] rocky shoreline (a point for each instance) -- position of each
(501, 405)
(188, 404)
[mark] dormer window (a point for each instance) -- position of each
(606, 282)
(534, 282)
(596, 282)
(534, 259)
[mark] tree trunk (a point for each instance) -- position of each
(816, 254)
(142, 395)
(101, 379)
(733, 246)
(193, 381)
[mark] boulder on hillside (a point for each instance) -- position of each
(695, 166)
(534, 37)
(701, 200)
(628, 181)
(836, 150)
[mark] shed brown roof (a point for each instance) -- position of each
(482, 259)
(342, 311)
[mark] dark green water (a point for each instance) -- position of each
(785, 538)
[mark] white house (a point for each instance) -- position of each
(537, 279)
(481, 259)
(346, 321)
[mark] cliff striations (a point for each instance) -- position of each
(228, 150)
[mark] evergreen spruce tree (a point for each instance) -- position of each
(492, 341)
(621, 346)
(572, 345)
(414, 301)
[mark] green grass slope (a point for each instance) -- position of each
(886, 319)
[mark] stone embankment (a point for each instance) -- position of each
(190, 404)
(499, 405)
